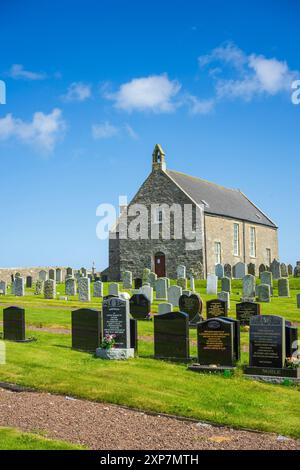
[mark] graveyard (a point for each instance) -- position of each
(58, 354)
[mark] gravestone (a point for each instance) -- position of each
(113, 289)
(236, 337)
(19, 287)
(182, 282)
(266, 277)
(245, 311)
(174, 293)
(50, 289)
(3, 287)
(216, 308)
(83, 272)
(215, 339)
(186, 292)
(225, 296)
(275, 269)
(52, 274)
(297, 271)
(127, 280)
(14, 324)
(261, 268)
(267, 341)
(43, 275)
(298, 300)
(124, 295)
(283, 287)
(161, 288)
(29, 282)
(145, 276)
(171, 336)
(192, 284)
(248, 287)
(290, 270)
(152, 280)
(240, 270)
(70, 286)
(133, 334)
(140, 307)
(69, 272)
(191, 305)
(228, 270)
(226, 284)
(58, 276)
(165, 308)
(212, 284)
(12, 277)
(138, 282)
(84, 291)
(263, 293)
(116, 322)
(148, 292)
(219, 271)
(291, 339)
(97, 289)
(39, 287)
(86, 329)
(252, 269)
(284, 270)
(181, 271)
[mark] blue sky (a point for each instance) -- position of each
(93, 85)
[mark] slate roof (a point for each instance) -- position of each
(218, 200)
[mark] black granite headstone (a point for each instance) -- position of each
(192, 305)
(246, 310)
(116, 321)
(216, 308)
(29, 282)
(86, 329)
(236, 337)
(267, 341)
(138, 283)
(291, 339)
(140, 307)
(215, 338)
(14, 324)
(133, 334)
(171, 336)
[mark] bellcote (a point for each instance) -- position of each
(158, 158)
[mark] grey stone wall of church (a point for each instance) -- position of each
(135, 255)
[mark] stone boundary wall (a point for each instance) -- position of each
(5, 273)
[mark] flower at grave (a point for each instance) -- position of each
(108, 342)
(292, 362)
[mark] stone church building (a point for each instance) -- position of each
(230, 227)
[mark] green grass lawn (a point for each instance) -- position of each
(13, 439)
(50, 364)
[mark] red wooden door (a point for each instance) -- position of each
(160, 264)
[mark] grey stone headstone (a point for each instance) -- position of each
(69, 272)
(165, 308)
(249, 287)
(252, 269)
(39, 287)
(263, 293)
(182, 282)
(113, 289)
(52, 274)
(261, 268)
(212, 284)
(284, 270)
(225, 296)
(161, 288)
(3, 287)
(290, 270)
(266, 277)
(50, 289)
(97, 289)
(43, 276)
(152, 279)
(298, 300)
(192, 284)
(174, 292)
(116, 321)
(275, 269)
(58, 276)
(70, 286)
(145, 276)
(127, 280)
(148, 292)
(226, 284)
(228, 270)
(84, 291)
(283, 287)
(181, 271)
(240, 270)
(19, 286)
(219, 270)
(83, 272)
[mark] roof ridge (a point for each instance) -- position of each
(202, 179)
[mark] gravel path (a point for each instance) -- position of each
(104, 427)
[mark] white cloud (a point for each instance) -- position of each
(255, 74)
(104, 130)
(200, 106)
(43, 131)
(17, 71)
(78, 91)
(155, 93)
(131, 132)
